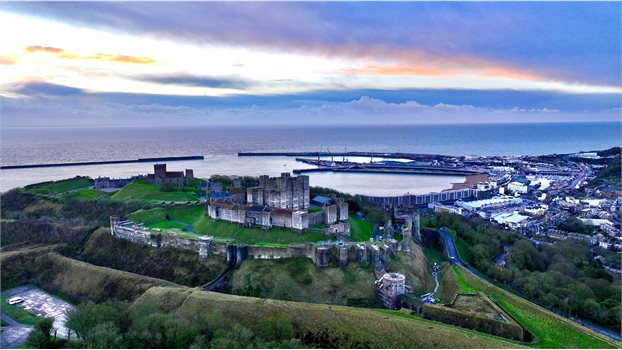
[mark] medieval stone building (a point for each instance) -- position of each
(285, 192)
(277, 201)
(174, 178)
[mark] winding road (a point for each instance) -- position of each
(454, 258)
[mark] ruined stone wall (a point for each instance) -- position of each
(330, 214)
(300, 220)
(316, 218)
(343, 211)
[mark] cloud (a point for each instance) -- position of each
(227, 82)
(49, 49)
(98, 56)
(55, 106)
(568, 42)
(42, 89)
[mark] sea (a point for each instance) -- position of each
(220, 144)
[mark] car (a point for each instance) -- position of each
(15, 300)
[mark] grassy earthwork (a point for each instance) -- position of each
(62, 186)
(201, 224)
(141, 190)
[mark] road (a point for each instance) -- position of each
(454, 258)
(13, 335)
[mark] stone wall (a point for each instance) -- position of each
(322, 254)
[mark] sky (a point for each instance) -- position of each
(308, 63)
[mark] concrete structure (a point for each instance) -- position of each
(161, 176)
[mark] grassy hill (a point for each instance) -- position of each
(551, 330)
(329, 326)
(62, 186)
(201, 224)
(171, 264)
(298, 279)
(141, 190)
(75, 280)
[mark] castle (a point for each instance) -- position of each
(278, 201)
(174, 178)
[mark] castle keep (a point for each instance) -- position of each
(278, 201)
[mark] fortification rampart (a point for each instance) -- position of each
(486, 317)
(321, 254)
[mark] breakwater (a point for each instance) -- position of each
(139, 160)
(395, 155)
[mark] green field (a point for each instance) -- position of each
(551, 330)
(85, 194)
(360, 230)
(56, 187)
(17, 313)
(196, 217)
(141, 190)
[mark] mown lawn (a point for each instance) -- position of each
(196, 217)
(18, 314)
(551, 330)
(55, 187)
(360, 230)
(141, 190)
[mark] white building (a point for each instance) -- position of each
(513, 220)
(495, 202)
(517, 187)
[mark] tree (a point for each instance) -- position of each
(41, 335)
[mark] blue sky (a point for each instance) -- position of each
(208, 63)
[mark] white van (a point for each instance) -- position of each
(15, 300)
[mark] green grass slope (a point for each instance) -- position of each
(298, 279)
(175, 265)
(73, 279)
(335, 326)
(141, 190)
(55, 187)
(360, 230)
(551, 330)
(196, 217)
